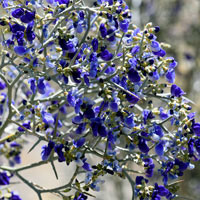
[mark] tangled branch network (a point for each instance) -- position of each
(83, 80)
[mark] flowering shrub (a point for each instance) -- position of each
(86, 81)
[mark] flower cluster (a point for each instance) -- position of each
(86, 81)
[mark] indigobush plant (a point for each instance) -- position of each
(85, 80)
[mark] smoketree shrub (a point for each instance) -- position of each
(84, 80)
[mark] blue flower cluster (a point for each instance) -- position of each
(86, 81)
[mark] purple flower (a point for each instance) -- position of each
(81, 128)
(142, 145)
(133, 76)
(47, 118)
(32, 83)
(2, 85)
(103, 30)
(14, 197)
(16, 27)
(182, 165)
(160, 53)
(89, 113)
(86, 165)
(159, 149)
(111, 35)
(98, 128)
(156, 29)
(79, 143)
(132, 98)
(28, 17)
(81, 196)
(113, 106)
(129, 121)
(18, 12)
(158, 191)
(41, 86)
(155, 46)
(4, 178)
(147, 115)
(191, 147)
(106, 55)
(46, 150)
(149, 166)
(196, 128)
(176, 91)
(29, 32)
(124, 25)
(58, 149)
(26, 125)
(95, 44)
(158, 130)
(20, 50)
(197, 145)
(140, 179)
(170, 75)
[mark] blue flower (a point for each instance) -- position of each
(161, 53)
(81, 128)
(80, 196)
(18, 12)
(159, 149)
(129, 121)
(103, 30)
(47, 118)
(155, 46)
(147, 115)
(27, 17)
(2, 85)
(182, 165)
(89, 113)
(26, 125)
(196, 128)
(162, 114)
(20, 50)
(124, 25)
(142, 145)
(133, 76)
(149, 166)
(106, 55)
(176, 91)
(132, 98)
(41, 86)
(46, 150)
(135, 50)
(191, 143)
(86, 165)
(140, 179)
(170, 75)
(96, 185)
(95, 44)
(158, 191)
(4, 178)
(79, 143)
(14, 196)
(98, 128)
(111, 35)
(32, 83)
(197, 145)
(58, 149)
(113, 106)
(29, 32)
(16, 27)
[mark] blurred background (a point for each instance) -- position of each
(179, 21)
